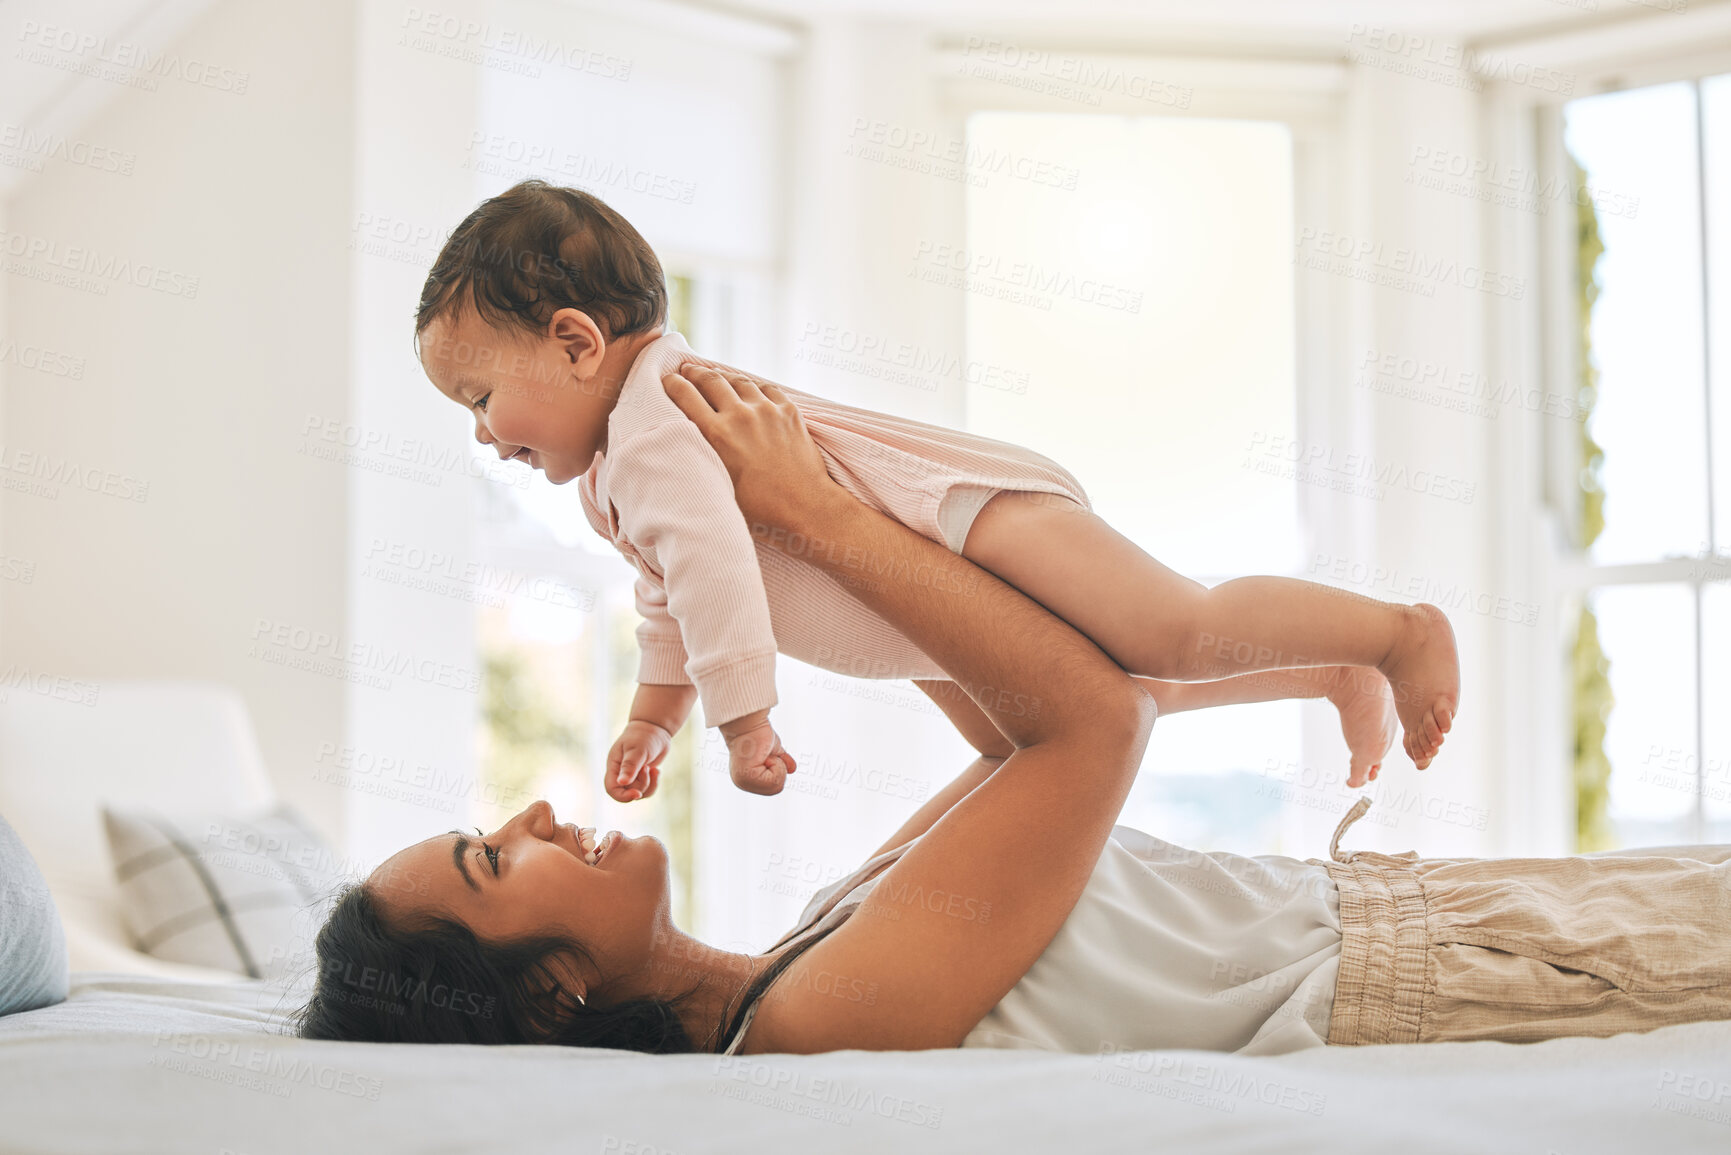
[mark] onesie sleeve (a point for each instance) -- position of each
(675, 502)
(661, 650)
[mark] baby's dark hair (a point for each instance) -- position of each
(537, 248)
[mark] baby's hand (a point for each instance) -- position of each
(634, 763)
(756, 762)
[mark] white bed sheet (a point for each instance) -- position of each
(130, 1063)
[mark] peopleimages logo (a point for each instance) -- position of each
(500, 155)
(88, 52)
(40, 146)
(1424, 57)
(1067, 76)
(43, 473)
(42, 360)
(1397, 267)
(1509, 186)
(478, 42)
(95, 263)
(319, 651)
(880, 139)
(1018, 282)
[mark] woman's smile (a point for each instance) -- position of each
(592, 848)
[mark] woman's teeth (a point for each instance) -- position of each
(591, 845)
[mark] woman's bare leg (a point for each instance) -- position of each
(1160, 624)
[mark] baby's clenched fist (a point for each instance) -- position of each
(756, 761)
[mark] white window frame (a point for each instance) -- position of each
(731, 301)
(1524, 128)
(1313, 99)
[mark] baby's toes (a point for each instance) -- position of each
(1422, 751)
(1432, 732)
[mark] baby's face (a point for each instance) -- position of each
(532, 397)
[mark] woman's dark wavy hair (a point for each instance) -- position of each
(434, 981)
(537, 248)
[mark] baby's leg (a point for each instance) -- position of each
(1361, 694)
(1158, 623)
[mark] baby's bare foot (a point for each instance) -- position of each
(1367, 719)
(1424, 672)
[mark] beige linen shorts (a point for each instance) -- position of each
(1523, 949)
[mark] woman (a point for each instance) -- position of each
(1009, 910)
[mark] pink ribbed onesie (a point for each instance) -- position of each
(717, 605)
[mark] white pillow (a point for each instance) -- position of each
(245, 894)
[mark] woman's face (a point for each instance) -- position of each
(535, 881)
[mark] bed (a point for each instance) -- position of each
(149, 1056)
(135, 1063)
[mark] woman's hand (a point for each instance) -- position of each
(778, 474)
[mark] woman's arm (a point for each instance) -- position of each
(1170, 697)
(967, 718)
(939, 804)
(959, 918)
(980, 733)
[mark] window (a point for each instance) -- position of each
(1653, 742)
(1138, 328)
(557, 623)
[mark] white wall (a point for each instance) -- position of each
(1408, 542)
(201, 396)
(408, 748)
(869, 752)
(700, 177)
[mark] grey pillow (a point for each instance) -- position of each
(33, 968)
(240, 893)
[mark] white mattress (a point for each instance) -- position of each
(130, 1063)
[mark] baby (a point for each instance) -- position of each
(544, 314)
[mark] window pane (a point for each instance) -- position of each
(1156, 389)
(1716, 137)
(1648, 635)
(1716, 723)
(1211, 779)
(534, 738)
(1639, 152)
(1155, 405)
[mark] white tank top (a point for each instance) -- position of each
(1166, 948)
